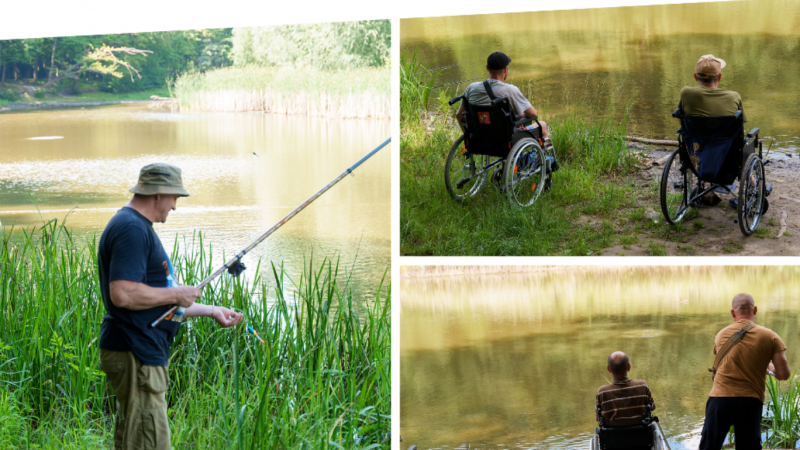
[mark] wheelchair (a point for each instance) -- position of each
(646, 436)
(715, 150)
(493, 148)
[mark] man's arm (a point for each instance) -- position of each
(137, 296)
(529, 113)
(224, 316)
(780, 366)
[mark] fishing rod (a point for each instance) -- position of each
(235, 267)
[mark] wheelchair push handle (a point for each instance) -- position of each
(453, 100)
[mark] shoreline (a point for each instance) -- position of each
(18, 106)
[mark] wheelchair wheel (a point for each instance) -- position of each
(751, 194)
(460, 172)
(676, 184)
(525, 173)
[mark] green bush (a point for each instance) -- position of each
(9, 96)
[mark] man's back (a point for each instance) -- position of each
(476, 95)
(710, 102)
(624, 402)
(743, 371)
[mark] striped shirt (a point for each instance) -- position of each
(623, 403)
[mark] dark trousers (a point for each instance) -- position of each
(742, 413)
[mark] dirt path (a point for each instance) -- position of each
(713, 232)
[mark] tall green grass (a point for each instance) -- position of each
(580, 216)
(362, 93)
(416, 86)
(322, 380)
(782, 418)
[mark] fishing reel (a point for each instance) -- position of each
(236, 268)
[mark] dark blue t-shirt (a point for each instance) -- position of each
(130, 250)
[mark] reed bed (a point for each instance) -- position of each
(362, 93)
(321, 380)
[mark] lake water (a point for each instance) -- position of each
(612, 58)
(514, 361)
(245, 172)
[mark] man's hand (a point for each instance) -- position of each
(225, 317)
(187, 295)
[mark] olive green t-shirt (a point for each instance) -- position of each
(743, 371)
(710, 102)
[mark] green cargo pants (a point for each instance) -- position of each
(141, 421)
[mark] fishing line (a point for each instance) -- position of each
(453, 65)
(235, 267)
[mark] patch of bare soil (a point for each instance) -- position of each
(713, 232)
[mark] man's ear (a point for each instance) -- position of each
(695, 77)
(755, 310)
(733, 314)
(608, 368)
(629, 367)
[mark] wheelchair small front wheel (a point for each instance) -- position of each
(462, 172)
(751, 194)
(676, 184)
(526, 172)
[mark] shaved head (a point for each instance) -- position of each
(618, 363)
(743, 301)
(743, 307)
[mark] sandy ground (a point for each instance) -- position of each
(719, 235)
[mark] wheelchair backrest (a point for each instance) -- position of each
(489, 128)
(637, 437)
(713, 145)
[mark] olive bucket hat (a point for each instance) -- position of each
(160, 178)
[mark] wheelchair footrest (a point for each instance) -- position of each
(768, 189)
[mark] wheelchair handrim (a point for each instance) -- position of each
(519, 173)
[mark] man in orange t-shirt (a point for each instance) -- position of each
(737, 396)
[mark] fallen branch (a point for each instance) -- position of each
(652, 141)
(783, 224)
(662, 161)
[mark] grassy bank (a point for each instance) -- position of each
(580, 215)
(362, 93)
(320, 381)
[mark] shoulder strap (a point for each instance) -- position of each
(727, 346)
(488, 88)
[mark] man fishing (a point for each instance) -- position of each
(623, 402)
(744, 351)
(138, 285)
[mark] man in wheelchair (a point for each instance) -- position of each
(708, 100)
(483, 92)
(623, 409)
(714, 148)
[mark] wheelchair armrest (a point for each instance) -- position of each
(498, 100)
(453, 100)
(677, 113)
(738, 114)
(525, 121)
(753, 132)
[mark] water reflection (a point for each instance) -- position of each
(515, 360)
(639, 56)
(244, 171)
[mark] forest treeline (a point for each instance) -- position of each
(131, 62)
